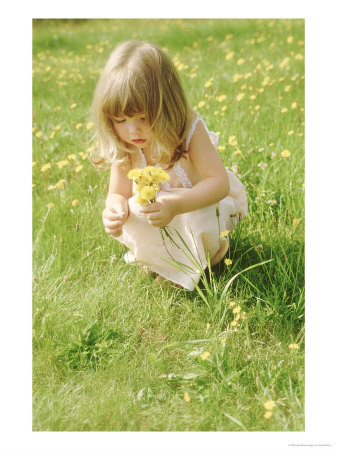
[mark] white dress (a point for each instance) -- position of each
(194, 233)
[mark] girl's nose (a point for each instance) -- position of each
(133, 127)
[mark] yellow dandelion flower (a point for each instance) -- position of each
(75, 202)
(290, 39)
(45, 167)
(33, 163)
(89, 125)
(240, 96)
(224, 108)
(236, 77)
(221, 148)
(73, 105)
(204, 355)
(62, 163)
(187, 397)
(229, 56)
(223, 341)
(267, 414)
(33, 186)
(294, 346)
(237, 152)
(201, 104)
(252, 97)
(50, 205)
(38, 134)
(221, 98)
(232, 141)
(72, 156)
(237, 310)
(51, 187)
(228, 262)
(284, 62)
(269, 405)
(78, 126)
(285, 153)
(284, 110)
(60, 184)
(299, 57)
(232, 304)
(296, 222)
(78, 168)
(290, 132)
(52, 135)
(208, 326)
(57, 127)
(240, 61)
(147, 193)
(294, 105)
(159, 175)
(208, 83)
(234, 323)
(224, 233)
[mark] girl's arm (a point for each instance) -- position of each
(213, 187)
(116, 205)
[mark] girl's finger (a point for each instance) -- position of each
(150, 208)
(112, 225)
(112, 215)
(115, 233)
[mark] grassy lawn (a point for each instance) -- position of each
(114, 351)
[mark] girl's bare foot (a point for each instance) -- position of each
(160, 279)
(220, 253)
(144, 270)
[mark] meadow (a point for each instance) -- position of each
(114, 351)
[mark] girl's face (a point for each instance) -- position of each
(135, 131)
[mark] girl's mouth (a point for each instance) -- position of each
(138, 141)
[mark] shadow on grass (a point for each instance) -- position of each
(278, 285)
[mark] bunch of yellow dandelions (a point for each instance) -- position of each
(147, 182)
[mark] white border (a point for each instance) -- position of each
(321, 190)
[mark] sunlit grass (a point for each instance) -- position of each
(112, 349)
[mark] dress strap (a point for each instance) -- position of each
(191, 131)
(213, 136)
(142, 157)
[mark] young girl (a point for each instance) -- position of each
(142, 118)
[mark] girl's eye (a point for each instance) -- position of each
(119, 120)
(143, 119)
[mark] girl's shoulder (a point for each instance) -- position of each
(195, 119)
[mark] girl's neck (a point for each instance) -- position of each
(147, 155)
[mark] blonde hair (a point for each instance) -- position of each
(140, 78)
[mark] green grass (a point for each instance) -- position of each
(115, 351)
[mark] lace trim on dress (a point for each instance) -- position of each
(182, 176)
(192, 129)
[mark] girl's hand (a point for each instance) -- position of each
(160, 213)
(113, 220)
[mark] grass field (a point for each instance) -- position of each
(114, 351)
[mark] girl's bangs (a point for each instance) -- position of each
(125, 99)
